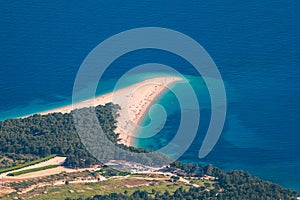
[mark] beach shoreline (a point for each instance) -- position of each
(134, 101)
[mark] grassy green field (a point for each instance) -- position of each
(91, 189)
(32, 170)
(27, 164)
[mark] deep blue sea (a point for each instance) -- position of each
(255, 44)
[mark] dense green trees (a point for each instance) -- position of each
(42, 135)
(239, 183)
(235, 184)
(188, 169)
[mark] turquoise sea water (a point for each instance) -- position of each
(255, 45)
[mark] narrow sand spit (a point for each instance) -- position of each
(134, 101)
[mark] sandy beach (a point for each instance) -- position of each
(134, 101)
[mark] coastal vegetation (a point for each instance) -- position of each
(42, 136)
(45, 135)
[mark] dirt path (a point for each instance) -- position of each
(5, 190)
(54, 161)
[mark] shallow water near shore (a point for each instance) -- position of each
(259, 157)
